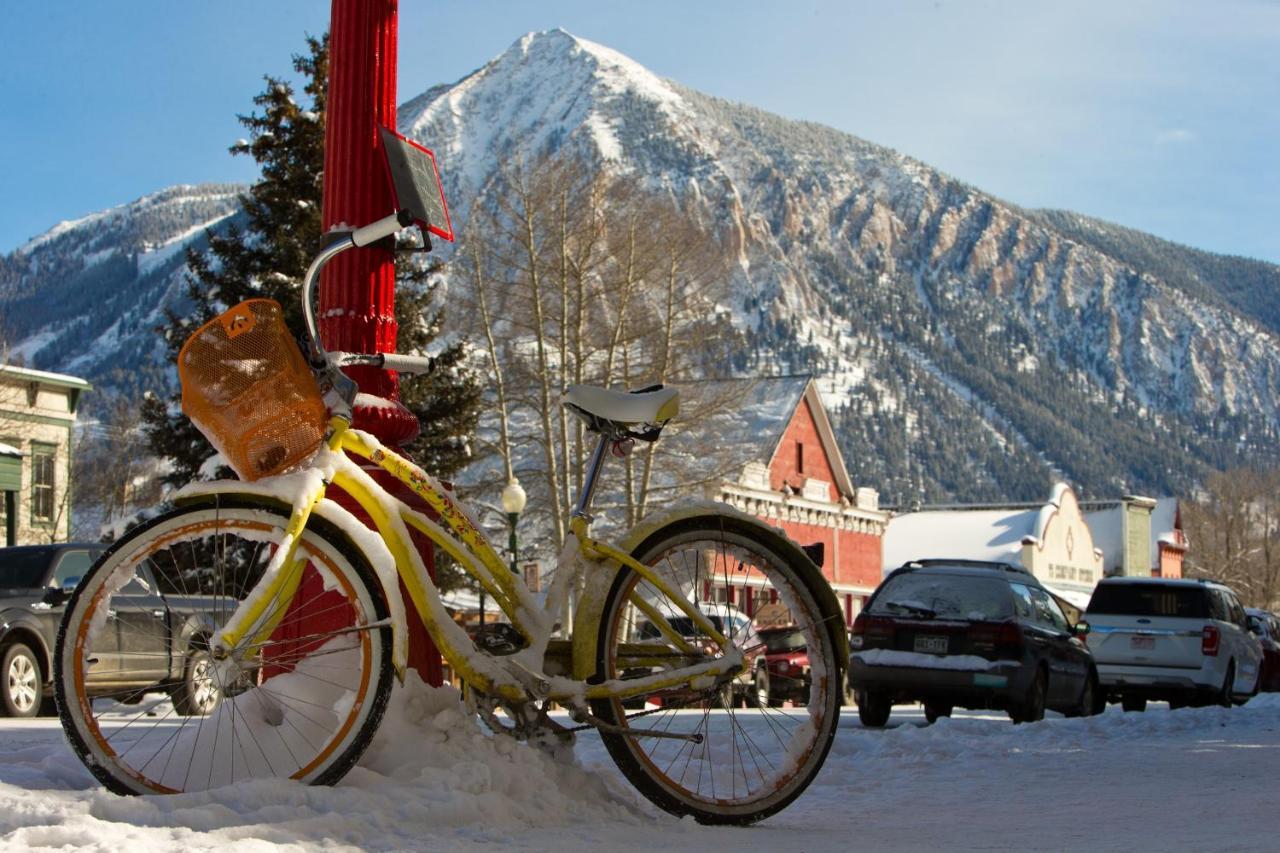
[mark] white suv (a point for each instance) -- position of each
(1185, 641)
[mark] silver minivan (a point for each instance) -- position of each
(1183, 641)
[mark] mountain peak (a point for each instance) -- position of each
(571, 91)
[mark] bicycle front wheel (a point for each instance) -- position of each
(148, 706)
(693, 751)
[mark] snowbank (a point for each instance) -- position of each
(1192, 779)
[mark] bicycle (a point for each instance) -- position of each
(283, 613)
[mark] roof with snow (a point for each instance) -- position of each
(724, 424)
(62, 380)
(971, 534)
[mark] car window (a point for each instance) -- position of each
(22, 568)
(934, 594)
(1217, 606)
(1048, 613)
(1236, 611)
(783, 641)
(1147, 599)
(1023, 608)
(71, 567)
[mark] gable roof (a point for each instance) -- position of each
(724, 424)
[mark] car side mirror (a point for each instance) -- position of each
(70, 584)
(1080, 629)
(55, 597)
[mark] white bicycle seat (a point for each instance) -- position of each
(622, 407)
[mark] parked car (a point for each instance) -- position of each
(158, 641)
(781, 673)
(1266, 627)
(1180, 640)
(35, 582)
(971, 634)
(726, 619)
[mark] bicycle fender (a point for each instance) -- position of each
(370, 546)
(828, 603)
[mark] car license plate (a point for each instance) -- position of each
(1142, 642)
(933, 645)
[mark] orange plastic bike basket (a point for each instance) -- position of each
(246, 386)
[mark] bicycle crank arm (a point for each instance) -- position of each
(601, 725)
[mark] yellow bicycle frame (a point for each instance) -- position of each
(466, 543)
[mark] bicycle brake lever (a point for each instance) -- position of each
(338, 390)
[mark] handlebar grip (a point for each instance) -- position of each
(411, 364)
(384, 227)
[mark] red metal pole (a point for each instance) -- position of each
(357, 290)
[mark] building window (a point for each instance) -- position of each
(42, 482)
(799, 457)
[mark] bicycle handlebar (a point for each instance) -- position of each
(341, 389)
(410, 364)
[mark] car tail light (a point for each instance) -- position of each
(1004, 638)
(1210, 639)
(870, 628)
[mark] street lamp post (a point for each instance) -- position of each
(513, 499)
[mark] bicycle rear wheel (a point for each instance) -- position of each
(752, 762)
(149, 708)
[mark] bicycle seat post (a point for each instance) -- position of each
(581, 509)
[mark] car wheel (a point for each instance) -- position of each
(1244, 700)
(1224, 695)
(764, 698)
(1088, 704)
(874, 708)
(934, 710)
(197, 695)
(1133, 704)
(20, 691)
(1031, 709)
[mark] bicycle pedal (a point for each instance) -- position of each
(499, 639)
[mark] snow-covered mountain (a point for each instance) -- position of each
(968, 348)
(86, 296)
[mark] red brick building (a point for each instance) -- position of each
(794, 477)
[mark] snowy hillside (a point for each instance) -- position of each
(968, 348)
(85, 296)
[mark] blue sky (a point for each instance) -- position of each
(1163, 115)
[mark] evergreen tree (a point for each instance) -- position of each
(264, 253)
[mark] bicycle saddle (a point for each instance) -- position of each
(654, 405)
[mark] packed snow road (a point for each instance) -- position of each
(1194, 779)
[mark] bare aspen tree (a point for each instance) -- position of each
(1233, 531)
(593, 279)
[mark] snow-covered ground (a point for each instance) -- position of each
(1195, 779)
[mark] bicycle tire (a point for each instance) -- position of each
(757, 787)
(304, 704)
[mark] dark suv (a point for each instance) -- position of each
(968, 633)
(158, 642)
(35, 581)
